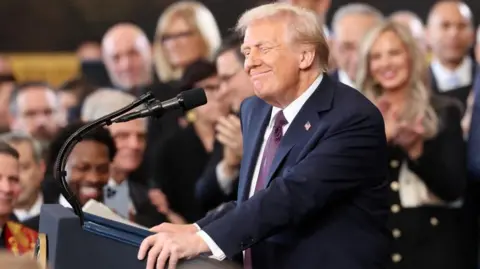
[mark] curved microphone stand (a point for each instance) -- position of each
(60, 163)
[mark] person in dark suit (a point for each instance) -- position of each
(426, 151)
(182, 158)
(350, 23)
(219, 182)
(474, 133)
(313, 189)
(32, 170)
(450, 36)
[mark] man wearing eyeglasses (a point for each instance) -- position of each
(219, 181)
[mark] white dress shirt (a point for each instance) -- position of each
(444, 77)
(290, 112)
(24, 214)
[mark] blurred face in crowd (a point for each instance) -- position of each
(235, 85)
(389, 62)
(130, 139)
(31, 174)
(9, 186)
(450, 32)
(127, 57)
(38, 113)
(215, 107)
(348, 34)
(88, 170)
(274, 62)
(182, 43)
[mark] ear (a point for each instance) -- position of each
(307, 57)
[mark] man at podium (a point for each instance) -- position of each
(15, 237)
(313, 179)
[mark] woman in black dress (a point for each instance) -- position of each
(427, 164)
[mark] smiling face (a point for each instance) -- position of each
(389, 62)
(271, 60)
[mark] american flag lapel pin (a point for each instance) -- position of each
(307, 126)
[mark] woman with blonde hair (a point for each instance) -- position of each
(186, 32)
(426, 150)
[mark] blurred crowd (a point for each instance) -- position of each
(178, 167)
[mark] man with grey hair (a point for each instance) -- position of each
(309, 196)
(35, 110)
(350, 24)
(125, 192)
(414, 23)
(32, 170)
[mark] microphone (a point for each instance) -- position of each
(185, 101)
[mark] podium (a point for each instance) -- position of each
(99, 244)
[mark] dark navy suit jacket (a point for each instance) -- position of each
(325, 205)
(473, 159)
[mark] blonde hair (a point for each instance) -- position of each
(199, 17)
(305, 26)
(419, 95)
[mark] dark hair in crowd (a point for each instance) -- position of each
(13, 106)
(100, 135)
(232, 42)
(6, 149)
(196, 72)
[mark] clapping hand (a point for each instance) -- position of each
(410, 137)
(229, 133)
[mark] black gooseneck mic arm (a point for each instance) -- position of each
(60, 162)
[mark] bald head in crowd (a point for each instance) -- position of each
(450, 32)
(413, 22)
(127, 56)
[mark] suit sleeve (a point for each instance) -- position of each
(442, 164)
(350, 154)
(474, 136)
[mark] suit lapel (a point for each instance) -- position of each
(305, 123)
(258, 125)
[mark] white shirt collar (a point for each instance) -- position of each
(112, 183)
(443, 75)
(294, 107)
(344, 78)
(63, 201)
(23, 214)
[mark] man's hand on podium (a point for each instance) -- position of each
(174, 242)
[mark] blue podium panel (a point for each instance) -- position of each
(94, 246)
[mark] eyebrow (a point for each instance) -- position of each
(258, 44)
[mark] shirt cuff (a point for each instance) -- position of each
(224, 181)
(217, 253)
